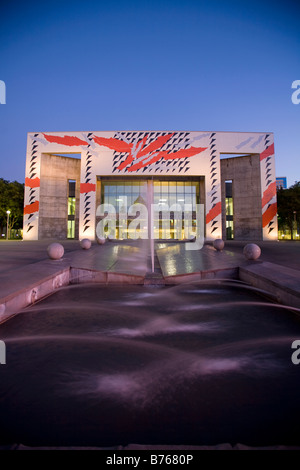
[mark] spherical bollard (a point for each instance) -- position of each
(101, 240)
(218, 244)
(55, 251)
(252, 251)
(85, 243)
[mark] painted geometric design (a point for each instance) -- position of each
(68, 140)
(32, 182)
(213, 177)
(152, 151)
(87, 187)
(149, 153)
(269, 204)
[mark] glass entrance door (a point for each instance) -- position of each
(170, 198)
(122, 194)
(179, 197)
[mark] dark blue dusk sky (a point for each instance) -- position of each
(156, 65)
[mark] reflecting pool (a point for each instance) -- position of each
(195, 364)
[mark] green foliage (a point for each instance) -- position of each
(11, 198)
(288, 202)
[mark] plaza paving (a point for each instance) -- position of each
(25, 264)
(173, 256)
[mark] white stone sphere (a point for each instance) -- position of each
(218, 244)
(55, 251)
(101, 240)
(85, 243)
(252, 251)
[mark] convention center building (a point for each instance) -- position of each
(70, 176)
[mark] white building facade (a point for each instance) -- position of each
(69, 174)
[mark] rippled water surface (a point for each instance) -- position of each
(197, 364)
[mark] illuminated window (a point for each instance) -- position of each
(121, 195)
(170, 193)
(71, 209)
(167, 224)
(229, 210)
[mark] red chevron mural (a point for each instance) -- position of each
(267, 152)
(32, 182)
(68, 140)
(87, 187)
(269, 214)
(141, 155)
(214, 212)
(31, 208)
(269, 193)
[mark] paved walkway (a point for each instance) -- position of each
(24, 264)
(173, 256)
(283, 253)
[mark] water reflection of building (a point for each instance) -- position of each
(68, 175)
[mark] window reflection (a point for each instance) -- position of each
(229, 210)
(71, 209)
(166, 224)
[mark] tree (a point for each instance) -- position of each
(11, 198)
(288, 202)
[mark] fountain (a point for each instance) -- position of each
(195, 364)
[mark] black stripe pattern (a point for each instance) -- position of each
(213, 177)
(180, 140)
(87, 179)
(32, 174)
